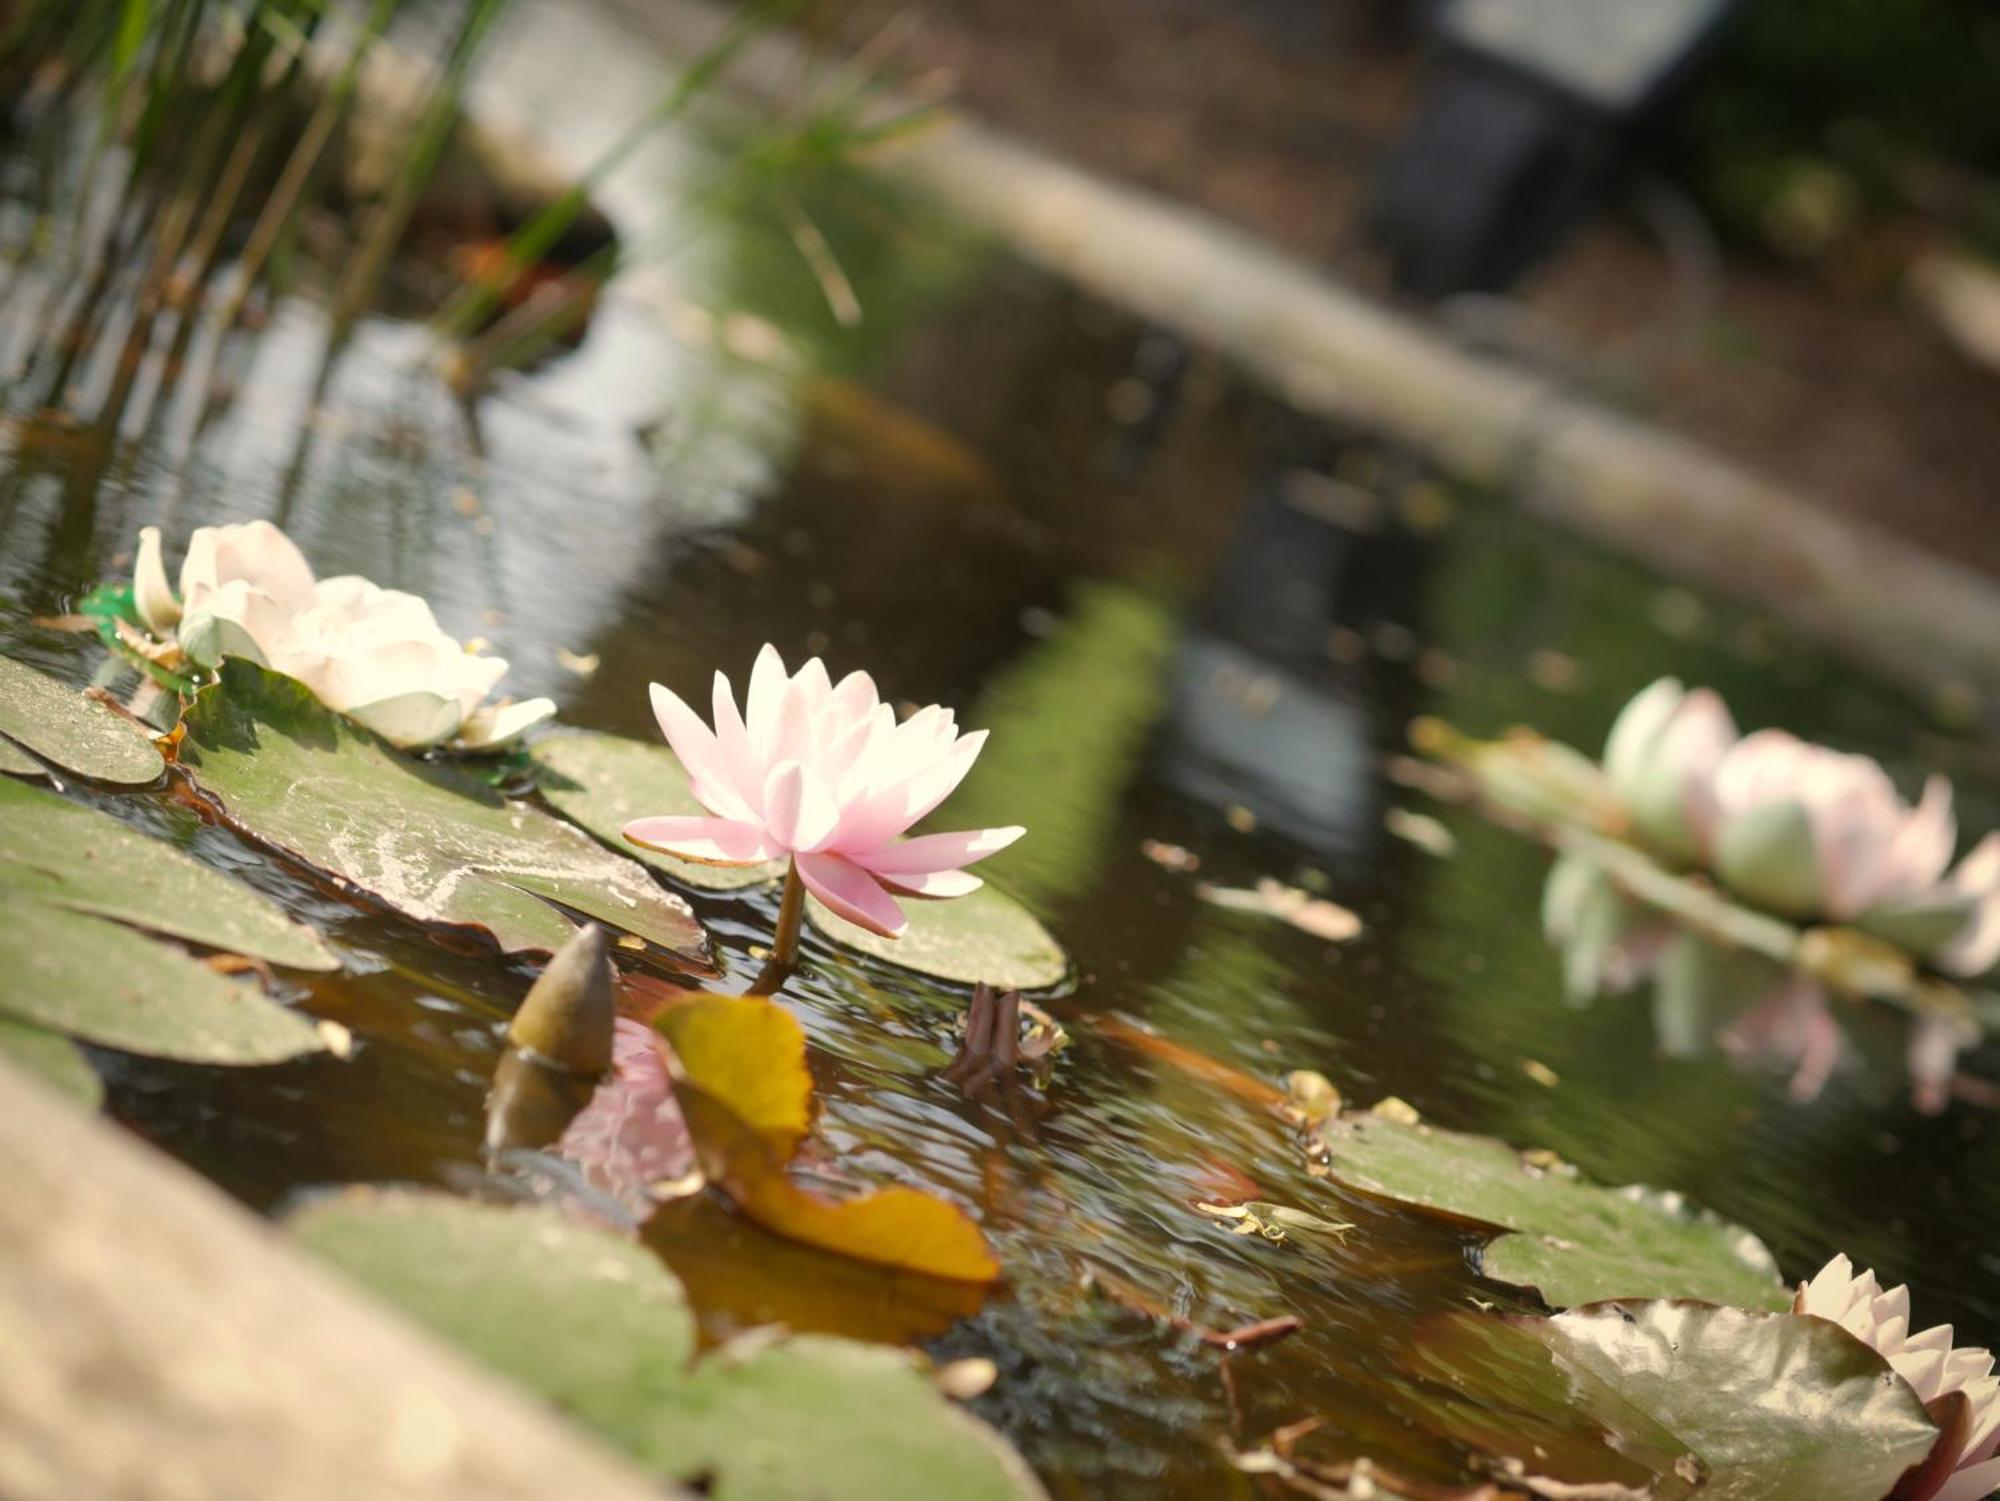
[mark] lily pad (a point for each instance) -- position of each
(102, 982)
(426, 839)
(1772, 1404)
(598, 1326)
(1571, 1240)
(1712, 1401)
(15, 762)
(603, 782)
(66, 855)
(53, 1059)
(78, 734)
(985, 936)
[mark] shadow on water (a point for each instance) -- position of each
(1188, 616)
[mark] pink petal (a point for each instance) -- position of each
(631, 1137)
(742, 767)
(709, 841)
(1922, 847)
(696, 746)
(813, 684)
(937, 884)
(937, 784)
(853, 893)
(792, 737)
(798, 810)
(882, 814)
(850, 757)
(931, 853)
(854, 696)
(760, 708)
(1974, 1484)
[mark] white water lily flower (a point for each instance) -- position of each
(376, 655)
(1660, 758)
(1815, 833)
(1957, 1386)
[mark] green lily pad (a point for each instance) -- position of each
(600, 1327)
(603, 782)
(426, 839)
(985, 936)
(16, 762)
(1701, 1400)
(66, 855)
(1571, 1240)
(94, 979)
(53, 1059)
(76, 733)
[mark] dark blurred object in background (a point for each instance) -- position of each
(1533, 109)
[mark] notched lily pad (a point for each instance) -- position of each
(1712, 1401)
(94, 979)
(66, 855)
(603, 782)
(426, 839)
(76, 733)
(598, 1326)
(1571, 1240)
(53, 1059)
(985, 936)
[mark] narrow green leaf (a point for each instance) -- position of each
(107, 984)
(76, 733)
(54, 1059)
(67, 855)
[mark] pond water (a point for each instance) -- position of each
(1189, 616)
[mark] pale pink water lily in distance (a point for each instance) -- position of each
(1965, 1464)
(1811, 833)
(822, 774)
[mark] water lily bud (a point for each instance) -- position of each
(532, 1102)
(569, 1015)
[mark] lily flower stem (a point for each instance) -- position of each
(785, 945)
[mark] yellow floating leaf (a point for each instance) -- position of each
(895, 1226)
(748, 1055)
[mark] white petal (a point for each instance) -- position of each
(410, 720)
(152, 596)
(497, 726)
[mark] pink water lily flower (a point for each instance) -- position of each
(1816, 833)
(1965, 1464)
(822, 775)
(1661, 759)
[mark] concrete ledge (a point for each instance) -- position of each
(159, 1343)
(1892, 606)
